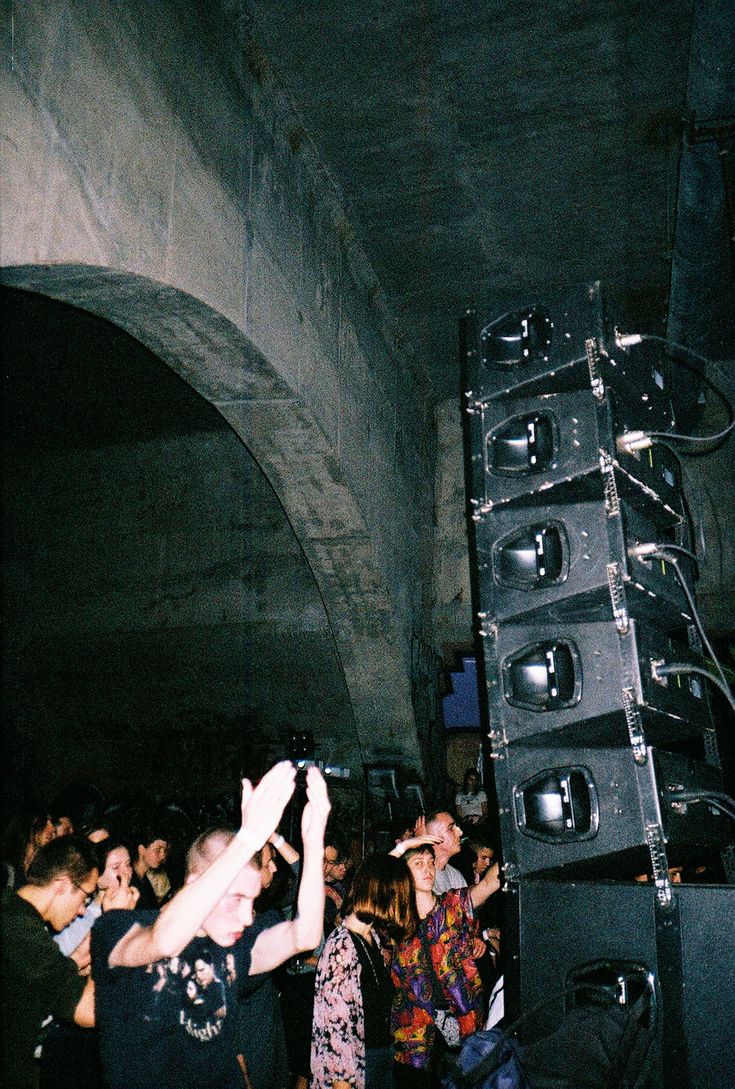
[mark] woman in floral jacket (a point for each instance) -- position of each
(437, 984)
(351, 1041)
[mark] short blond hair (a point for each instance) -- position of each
(211, 845)
(206, 848)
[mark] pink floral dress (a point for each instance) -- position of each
(338, 1037)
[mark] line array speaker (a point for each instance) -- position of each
(557, 561)
(575, 618)
(525, 447)
(592, 744)
(579, 809)
(590, 682)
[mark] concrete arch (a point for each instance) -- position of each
(221, 364)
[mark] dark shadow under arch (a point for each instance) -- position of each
(161, 623)
(219, 362)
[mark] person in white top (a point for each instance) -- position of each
(447, 839)
(471, 801)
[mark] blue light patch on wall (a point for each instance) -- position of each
(461, 706)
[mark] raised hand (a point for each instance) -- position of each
(262, 807)
(414, 841)
(489, 884)
(119, 895)
(316, 810)
(492, 877)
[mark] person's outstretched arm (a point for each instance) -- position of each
(288, 853)
(276, 944)
(490, 883)
(177, 924)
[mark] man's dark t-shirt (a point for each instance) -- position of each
(36, 980)
(172, 1024)
(261, 1034)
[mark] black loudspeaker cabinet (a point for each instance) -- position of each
(586, 810)
(554, 447)
(587, 683)
(563, 561)
(568, 345)
(570, 931)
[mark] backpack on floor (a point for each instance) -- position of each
(603, 1048)
(488, 1060)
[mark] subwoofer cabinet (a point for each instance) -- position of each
(604, 933)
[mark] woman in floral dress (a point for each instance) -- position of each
(351, 1041)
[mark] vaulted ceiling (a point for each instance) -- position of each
(496, 153)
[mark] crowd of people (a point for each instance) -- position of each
(261, 965)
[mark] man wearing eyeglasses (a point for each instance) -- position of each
(37, 979)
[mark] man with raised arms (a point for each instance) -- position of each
(156, 972)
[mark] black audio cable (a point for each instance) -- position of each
(667, 669)
(719, 436)
(680, 550)
(631, 441)
(653, 551)
(677, 548)
(694, 488)
(664, 553)
(717, 799)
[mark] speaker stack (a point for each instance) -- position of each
(579, 610)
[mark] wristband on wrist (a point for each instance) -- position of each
(244, 835)
(278, 841)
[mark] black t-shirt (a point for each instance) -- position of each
(172, 1024)
(36, 980)
(261, 1035)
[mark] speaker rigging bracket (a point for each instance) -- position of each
(610, 488)
(635, 726)
(592, 352)
(659, 865)
(617, 597)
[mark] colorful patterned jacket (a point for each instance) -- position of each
(449, 931)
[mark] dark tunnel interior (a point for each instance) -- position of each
(162, 628)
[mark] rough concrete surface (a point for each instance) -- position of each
(152, 180)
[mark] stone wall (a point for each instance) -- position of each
(453, 609)
(149, 143)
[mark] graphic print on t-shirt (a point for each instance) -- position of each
(172, 1024)
(192, 990)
